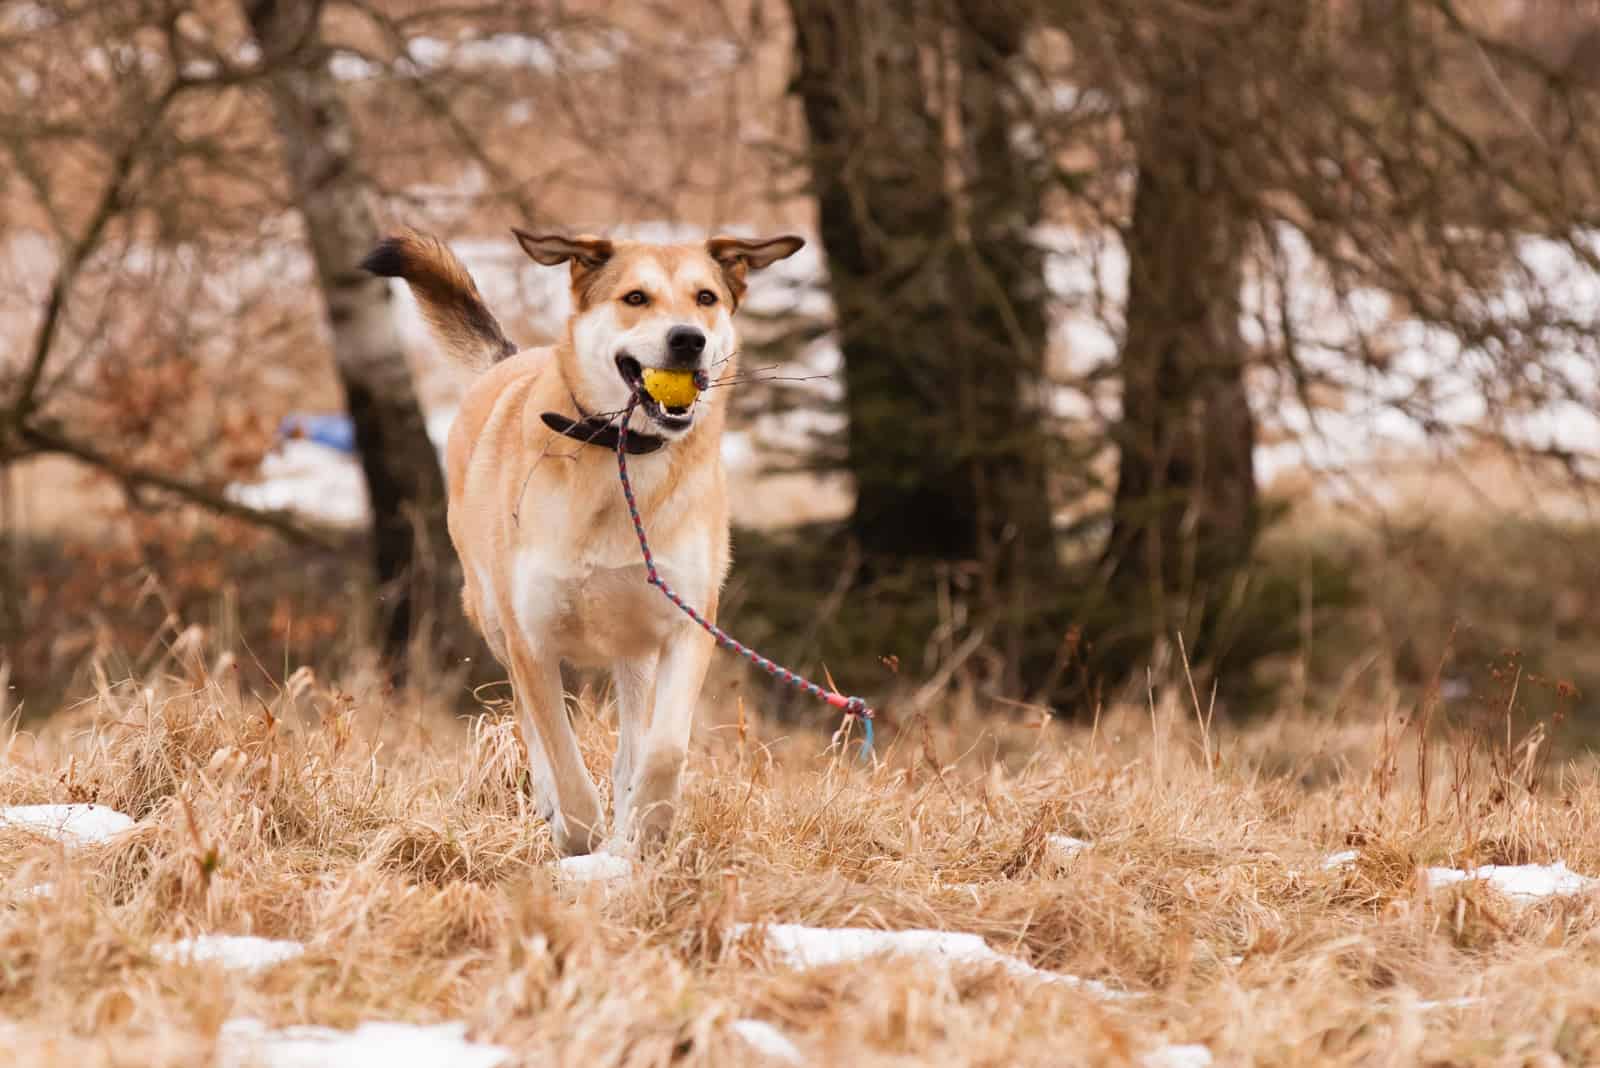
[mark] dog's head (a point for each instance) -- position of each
(638, 306)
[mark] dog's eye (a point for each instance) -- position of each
(636, 297)
(706, 297)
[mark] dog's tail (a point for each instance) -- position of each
(461, 323)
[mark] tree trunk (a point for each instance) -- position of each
(925, 210)
(403, 476)
(1185, 514)
(1004, 332)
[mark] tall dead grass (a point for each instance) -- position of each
(399, 845)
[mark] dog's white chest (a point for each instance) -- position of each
(587, 594)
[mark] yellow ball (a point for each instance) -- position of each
(671, 389)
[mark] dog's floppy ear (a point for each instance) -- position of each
(738, 257)
(586, 252)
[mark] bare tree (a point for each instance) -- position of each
(926, 208)
(1184, 517)
(1395, 156)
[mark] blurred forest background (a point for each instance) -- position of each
(1257, 336)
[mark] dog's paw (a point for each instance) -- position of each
(654, 802)
(579, 830)
(573, 839)
(651, 825)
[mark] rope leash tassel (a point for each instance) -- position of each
(850, 706)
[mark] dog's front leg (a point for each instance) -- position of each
(635, 682)
(567, 794)
(666, 743)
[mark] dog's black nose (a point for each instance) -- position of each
(685, 344)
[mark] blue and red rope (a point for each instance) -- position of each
(850, 706)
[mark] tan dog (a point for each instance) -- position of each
(551, 564)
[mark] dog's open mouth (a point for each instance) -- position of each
(673, 417)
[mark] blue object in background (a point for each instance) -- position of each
(334, 430)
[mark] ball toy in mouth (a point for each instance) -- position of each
(671, 389)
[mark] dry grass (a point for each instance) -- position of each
(397, 844)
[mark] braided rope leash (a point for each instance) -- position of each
(850, 706)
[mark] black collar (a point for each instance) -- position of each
(600, 431)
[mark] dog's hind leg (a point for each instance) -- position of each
(666, 743)
(566, 793)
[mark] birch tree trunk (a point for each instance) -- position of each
(403, 476)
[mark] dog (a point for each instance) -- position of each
(551, 565)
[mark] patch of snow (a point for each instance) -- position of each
(243, 953)
(546, 54)
(1061, 848)
(440, 420)
(30, 17)
(1340, 859)
(1450, 1003)
(768, 1040)
(247, 1042)
(311, 480)
(317, 473)
(496, 50)
(1189, 1056)
(550, 53)
(594, 868)
(1520, 882)
(350, 67)
(38, 891)
(72, 824)
(800, 946)
(738, 451)
(1551, 298)
(1065, 98)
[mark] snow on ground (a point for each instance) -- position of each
(243, 953)
(545, 54)
(1450, 1003)
(1087, 276)
(1522, 883)
(772, 1043)
(73, 824)
(1191, 1056)
(312, 480)
(593, 868)
(247, 1043)
(799, 946)
(1061, 848)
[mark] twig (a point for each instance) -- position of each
(107, 208)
